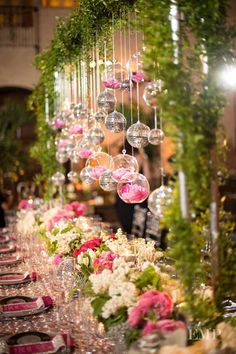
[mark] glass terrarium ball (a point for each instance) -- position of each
(58, 123)
(58, 179)
(135, 190)
(124, 164)
(106, 182)
(126, 85)
(160, 199)
(85, 150)
(134, 68)
(156, 136)
(107, 101)
(99, 162)
(73, 176)
(151, 93)
(115, 122)
(85, 175)
(84, 114)
(137, 135)
(77, 110)
(62, 156)
(75, 155)
(113, 75)
(100, 116)
(95, 136)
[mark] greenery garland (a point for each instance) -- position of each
(191, 104)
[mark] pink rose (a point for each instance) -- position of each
(120, 172)
(97, 171)
(113, 84)
(78, 208)
(25, 204)
(85, 153)
(57, 259)
(105, 261)
(75, 129)
(163, 326)
(132, 193)
(91, 244)
(59, 123)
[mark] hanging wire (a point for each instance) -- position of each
(94, 79)
(131, 87)
(97, 67)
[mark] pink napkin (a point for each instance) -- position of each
(37, 303)
(6, 249)
(8, 278)
(9, 260)
(58, 341)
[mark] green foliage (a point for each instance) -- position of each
(148, 279)
(131, 335)
(98, 302)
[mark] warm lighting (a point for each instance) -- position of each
(58, 3)
(227, 76)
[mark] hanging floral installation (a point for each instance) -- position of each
(76, 100)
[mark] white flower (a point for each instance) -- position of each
(112, 306)
(101, 282)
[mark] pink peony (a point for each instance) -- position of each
(138, 76)
(163, 326)
(59, 123)
(151, 302)
(75, 129)
(113, 84)
(133, 193)
(25, 204)
(97, 171)
(78, 208)
(85, 153)
(57, 259)
(105, 261)
(91, 244)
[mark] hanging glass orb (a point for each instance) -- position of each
(95, 136)
(134, 68)
(77, 110)
(100, 116)
(75, 129)
(73, 176)
(58, 179)
(106, 182)
(75, 155)
(160, 199)
(137, 135)
(134, 191)
(85, 150)
(85, 175)
(115, 122)
(123, 164)
(156, 136)
(151, 93)
(99, 162)
(58, 123)
(107, 101)
(84, 114)
(126, 85)
(62, 156)
(113, 76)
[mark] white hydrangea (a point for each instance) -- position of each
(126, 290)
(85, 258)
(101, 282)
(112, 306)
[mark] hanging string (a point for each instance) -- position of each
(97, 67)
(71, 72)
(155, 117)
(94, 80)
(131, 86)
(113, 51)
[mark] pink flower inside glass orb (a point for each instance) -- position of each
(85, 153)
(123, 164)
(99, 162)
(113, 75)
(76, 129)
(134, 68)
(134, 191)
(58, 123)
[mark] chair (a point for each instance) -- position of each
(153, 231)
(139, 221)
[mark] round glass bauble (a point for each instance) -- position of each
(113, 75)
(106, 101)
(85, 175)
(115, 122)
(159, 200)
(58, 179)
(73, 176)
(84, 114)
(135, 68)
(124, 164)
(62, 156)
(84, 148)
(99, 162)
(126, 85)
(156, 136)
(137, 135)
(77, 110)
(75, 155)
(151, 93)
(95, 136)
(100, 116)
(135, 190)
(106, 182)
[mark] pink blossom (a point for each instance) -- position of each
(57, 259)
(163, 326)
(78, 208)
(25, 204)
(138, 76)
(59, 123)
(153, 302)
(113, 84)
(120, 172)
(97, 171)
(75, 129)
(105, 261)
(85, 153)
(132, 193)
(63, 143)
(91, 244)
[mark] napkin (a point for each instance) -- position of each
(52, 346)
(6, 249)
(17, 278)
(36, 304)
(9, 260)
